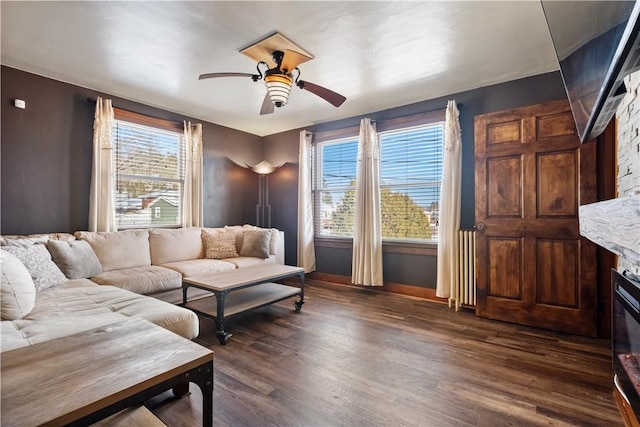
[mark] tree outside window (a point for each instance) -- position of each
(410, 171)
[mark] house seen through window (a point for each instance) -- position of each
(149, 164)
(410, 175)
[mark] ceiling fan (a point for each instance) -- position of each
(279, 80)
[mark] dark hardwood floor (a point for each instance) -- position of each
(354, 357)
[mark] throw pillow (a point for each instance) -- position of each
(273, 241)
(256, 243)
(239, 232)
(219, 245)
(18, 294)
(76, 259)
(44, 272)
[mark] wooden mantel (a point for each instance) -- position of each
(614, 225)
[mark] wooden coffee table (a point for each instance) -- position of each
(242, 289)
(85, 377)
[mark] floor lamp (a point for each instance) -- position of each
(263, 208)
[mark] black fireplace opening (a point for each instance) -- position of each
(626, 335)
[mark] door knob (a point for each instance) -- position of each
(481, 226)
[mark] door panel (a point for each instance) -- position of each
(554, 125)
(498, 133)
(532, 265)
(557, 184)
(558, 279)
(505, 276)
(504, 196)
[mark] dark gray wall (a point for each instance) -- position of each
(46, 162)
(402, 268)
(47, 153)
(283, 197)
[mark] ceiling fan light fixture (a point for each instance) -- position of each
(283, 56)
(279, 88)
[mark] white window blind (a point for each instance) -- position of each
(334, 193)
(410, 175)
(149, 175)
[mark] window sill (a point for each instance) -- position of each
(391, 246)
(149, 226)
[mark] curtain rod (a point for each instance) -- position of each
(407, 115)
(177, 123)
(93, 101)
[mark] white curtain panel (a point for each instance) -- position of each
(450, 191)
(306, 248)
(367, 229)
(192, 209)
(102, 212)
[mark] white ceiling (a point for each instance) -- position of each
(379, 54)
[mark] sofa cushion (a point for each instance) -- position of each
(76, 259)
(141, 280)
(197, 267)
(78, 283)
(30, 239)
(256, 243)
(219, 245)
(168, 245)
(274, 241)
(25, 332)
(44, 272)
(23, 241)
(179, 320)
(241, 261)
(17, 291)
(119, 249)
(62, 311)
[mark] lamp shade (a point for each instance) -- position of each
(264, 168)
(279, 87)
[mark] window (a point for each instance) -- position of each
(410, 175)
(335, 177)
(149, 165)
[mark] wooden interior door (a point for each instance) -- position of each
(531, 174)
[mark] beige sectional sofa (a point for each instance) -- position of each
(153, 262)
(140, 272)
(79, 305)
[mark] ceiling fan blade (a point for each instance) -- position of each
(267, 105)
(213, 75)
(330, 96)
(291, 60)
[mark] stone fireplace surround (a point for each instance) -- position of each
(615, 224)
(628, 160)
